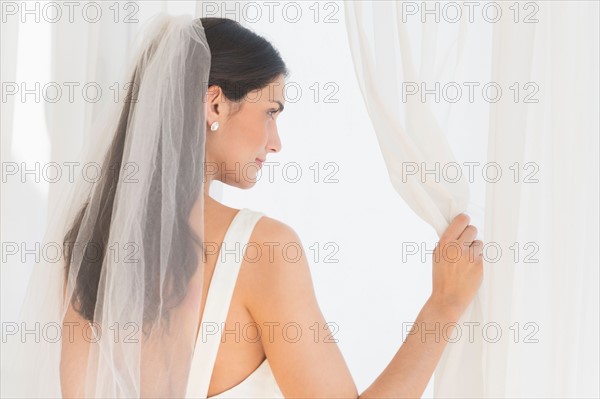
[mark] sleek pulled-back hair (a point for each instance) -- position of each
(241, 61)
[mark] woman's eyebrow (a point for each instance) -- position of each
(280, 105)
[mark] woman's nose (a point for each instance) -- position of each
(274, 144)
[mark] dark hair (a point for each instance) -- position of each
(241, 61)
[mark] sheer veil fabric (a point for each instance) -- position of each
(134, 266)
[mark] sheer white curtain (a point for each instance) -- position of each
(541, 291)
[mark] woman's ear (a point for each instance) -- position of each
(206, 108)
(215, 106)
(208, 99)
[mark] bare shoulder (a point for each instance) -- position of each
(281, 300)
(269, 230)
(268, 227)
(275, 254)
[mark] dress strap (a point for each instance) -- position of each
(218, 301)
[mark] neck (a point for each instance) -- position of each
(208, 200)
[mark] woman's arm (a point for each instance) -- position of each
(410, 370)
(281, 294)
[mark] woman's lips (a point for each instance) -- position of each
(259, 161)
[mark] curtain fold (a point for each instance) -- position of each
(543, 213)
(410, 137)
(382, 60)
(553, 214)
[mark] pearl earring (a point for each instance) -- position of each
(214, 126)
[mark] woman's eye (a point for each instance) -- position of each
(271, 112)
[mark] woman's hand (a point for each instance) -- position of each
(457, 266)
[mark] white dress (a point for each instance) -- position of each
(261, 382)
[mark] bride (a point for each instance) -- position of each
(157, 307)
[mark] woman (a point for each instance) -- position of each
(179, 282)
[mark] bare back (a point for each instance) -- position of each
(237, 357)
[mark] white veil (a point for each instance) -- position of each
(135, 262)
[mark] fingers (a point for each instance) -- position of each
(466, 238)
(464, 234)
(476, 249)
(457, 226)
